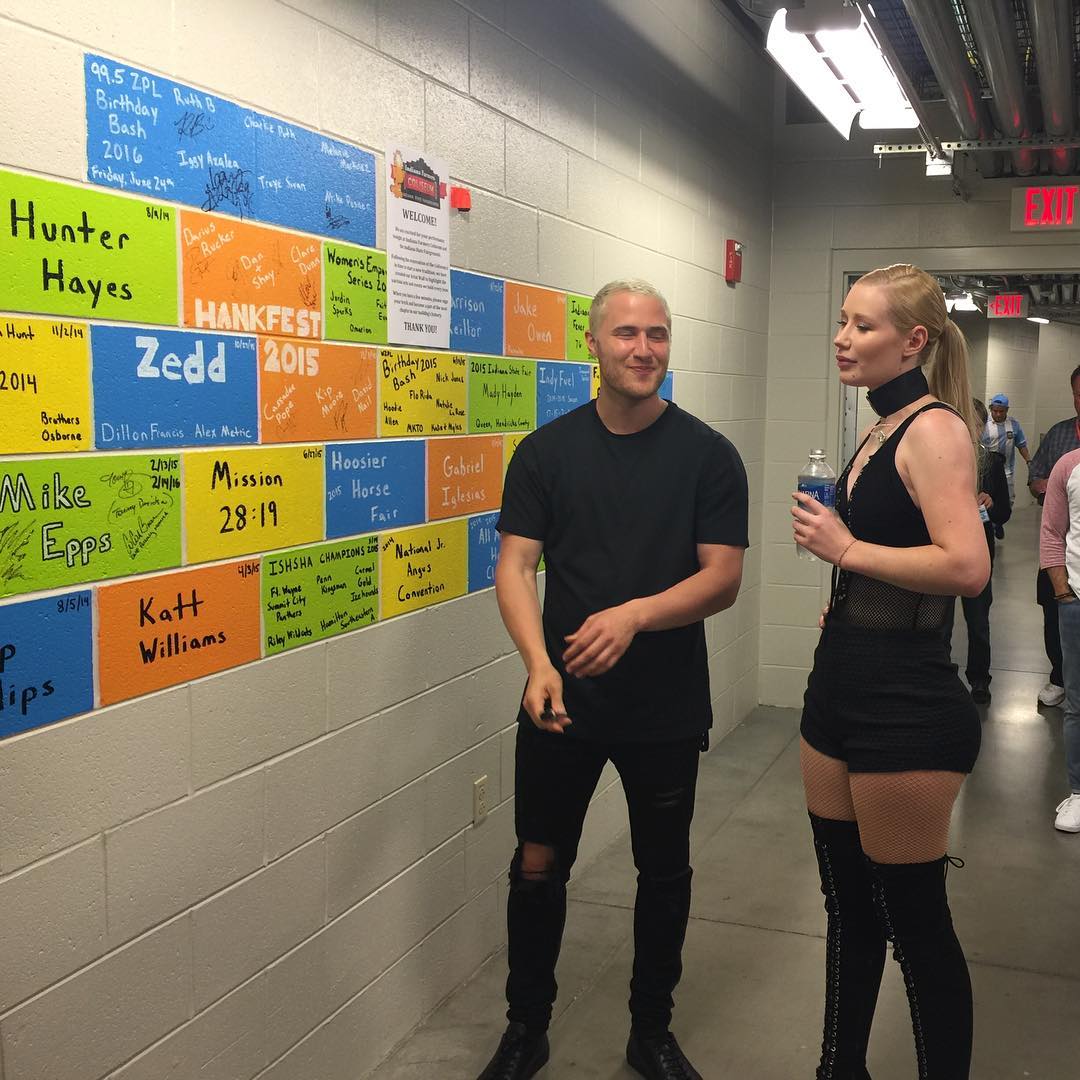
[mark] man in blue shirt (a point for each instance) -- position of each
(1004, 435)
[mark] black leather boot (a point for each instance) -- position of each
(519, 1056)
(915, 912)
(659, 1057)
(854, 949)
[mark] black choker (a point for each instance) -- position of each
(898, 392)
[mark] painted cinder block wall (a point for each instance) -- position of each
(832, 196)
(272, 872)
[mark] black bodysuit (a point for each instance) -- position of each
(883, 694)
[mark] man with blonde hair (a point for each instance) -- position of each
(640, 513)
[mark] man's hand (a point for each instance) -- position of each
(1038, 487)
(543, 700)
(598, 644)
(984, 500)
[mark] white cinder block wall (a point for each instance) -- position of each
(272, 872)
(1012, 364)
(1059, 353)
(830, 197)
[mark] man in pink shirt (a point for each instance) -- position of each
(1059, 556)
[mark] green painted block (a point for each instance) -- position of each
(354, 281)
(87, 518)
(67, 250)
(317, 592)
(502, 395)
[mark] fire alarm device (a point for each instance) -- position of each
(460, 199)
(733, 261)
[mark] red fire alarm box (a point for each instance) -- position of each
(733, 261)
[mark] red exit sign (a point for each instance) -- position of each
(1045, 208)
(1007, 306)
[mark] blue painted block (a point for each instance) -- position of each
(476, 313)
(560, 388)
(667, 387)
(152, 136)
(46, 661)
(372, 486)
(483, 551)
(162, 388)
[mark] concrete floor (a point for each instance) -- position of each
(750, 1002)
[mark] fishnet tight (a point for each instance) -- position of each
(903, 817)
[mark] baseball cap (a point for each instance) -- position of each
(1000, 399)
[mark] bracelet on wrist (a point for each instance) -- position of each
(840, 561)
(1070, 595)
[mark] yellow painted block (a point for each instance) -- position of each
(240, 501)
(44, 386)
(422, 393)
(423, 566)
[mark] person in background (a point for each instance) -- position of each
(889, 732)
(995, 508)
(640, 511)
(1059, 557)
(1003, 434)
(1058, 441)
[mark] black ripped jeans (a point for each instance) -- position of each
(555, 777)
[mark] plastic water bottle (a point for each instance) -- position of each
(818, 480)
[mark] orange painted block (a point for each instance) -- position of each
(250, 278)
(315, 392)
(167, 629)
(465, 475)
(535, 321)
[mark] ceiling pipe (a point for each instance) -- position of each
(940, 36)
(1052, 34)
(995, 34)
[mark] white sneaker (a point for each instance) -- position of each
(1051, 694)
(1068, 815)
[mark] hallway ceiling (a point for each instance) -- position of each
(1054, 296)
(1007, 26)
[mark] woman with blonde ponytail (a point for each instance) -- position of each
(889, 731)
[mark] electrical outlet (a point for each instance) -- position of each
(479, 800)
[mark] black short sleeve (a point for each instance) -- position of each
(723, 501)
(526, 508)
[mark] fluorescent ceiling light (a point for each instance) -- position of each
(843, 73)
(964, 303)
(1037, 318)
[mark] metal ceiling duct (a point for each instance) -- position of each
(995, 34)
(1052, 33)
(940, 36)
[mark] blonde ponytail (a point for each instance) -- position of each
(946, 371)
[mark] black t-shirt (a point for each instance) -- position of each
(620, 517)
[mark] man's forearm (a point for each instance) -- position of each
(1059, 578)
(702, 594)
(519, 605)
